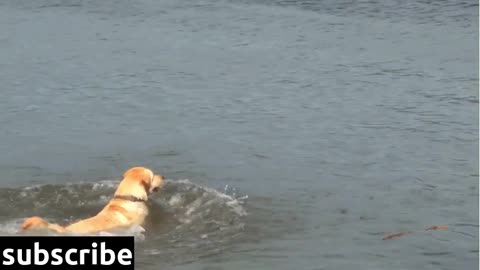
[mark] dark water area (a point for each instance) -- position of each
(306, 129)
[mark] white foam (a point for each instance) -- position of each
(105, 184)
(175, 200)
(136, 231)
(234, 203)
(193, 206)
(10, 227)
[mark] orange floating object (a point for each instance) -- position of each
(437, 227)
(400, 234)
(395, 235)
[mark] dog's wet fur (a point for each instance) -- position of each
(127, 208)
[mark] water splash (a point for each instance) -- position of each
(181, 208)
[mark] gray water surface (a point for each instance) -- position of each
(341, 120)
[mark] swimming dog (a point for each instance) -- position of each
(127, 207)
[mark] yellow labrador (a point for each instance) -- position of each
(127, 207)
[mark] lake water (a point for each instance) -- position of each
(294, 134)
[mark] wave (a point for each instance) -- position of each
(181, 213)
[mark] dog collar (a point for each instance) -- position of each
(129, 198)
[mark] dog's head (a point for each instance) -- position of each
(139, 182)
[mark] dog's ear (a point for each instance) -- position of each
(146, 186)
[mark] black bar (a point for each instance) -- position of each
(62, 252)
